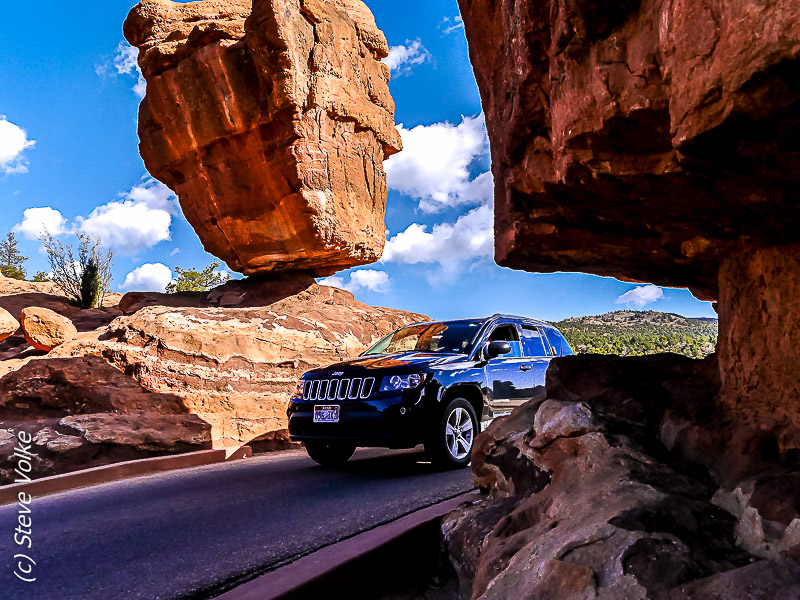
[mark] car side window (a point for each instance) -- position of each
(532, 342)
(555, 341)
(558, 342)
(508, 333)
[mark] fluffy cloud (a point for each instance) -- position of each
(434, 166)
(641, 296)
(125, 63)
(362, 279)
(141, 219)
(13, 143)
(449, 25)
(150, 277)
(452, 246)
(403, 58)
(37, 221)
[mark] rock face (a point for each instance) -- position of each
(235, 367)
(586, 501)
(8, 324)
(45, 329)
(271, 120)
(641, 140)
(82, 412)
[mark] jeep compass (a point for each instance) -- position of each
(433, 383)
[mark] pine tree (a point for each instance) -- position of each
(10, 258)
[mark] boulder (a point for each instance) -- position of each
(45, 329)
(8, 324)
(271, 121)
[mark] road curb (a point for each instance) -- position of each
(319, 567)
(54, 484)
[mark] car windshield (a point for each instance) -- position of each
(452, 337)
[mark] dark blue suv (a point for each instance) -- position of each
(434, 383)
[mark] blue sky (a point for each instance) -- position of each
(68, 156)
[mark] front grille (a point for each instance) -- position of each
(356, 388)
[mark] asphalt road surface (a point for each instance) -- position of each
(181, 534)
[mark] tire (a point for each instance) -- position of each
(330, 454)
(451, 439)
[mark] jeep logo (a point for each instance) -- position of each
(338, 373)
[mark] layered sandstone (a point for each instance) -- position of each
(586, 501)
(271, 120)
(639, 140)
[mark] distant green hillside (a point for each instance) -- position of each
(634, 333)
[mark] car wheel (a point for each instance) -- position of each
(451, 441)
(330, 454)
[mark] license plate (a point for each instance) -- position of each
(326, 414)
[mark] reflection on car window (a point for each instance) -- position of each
(532, 342)
(453, 337)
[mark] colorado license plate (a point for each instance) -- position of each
(326, 414)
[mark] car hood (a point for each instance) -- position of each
(389, 363)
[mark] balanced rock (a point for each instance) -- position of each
(45, 329)
(271, 120)
(8, 324)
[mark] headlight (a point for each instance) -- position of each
(401, 382)
(298, 392)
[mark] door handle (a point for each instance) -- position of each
(525, 368)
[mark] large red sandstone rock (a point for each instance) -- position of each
(639, 139)
(45, 329)
(8, 324)
(271, 120)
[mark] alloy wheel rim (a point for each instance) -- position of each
(459, 433)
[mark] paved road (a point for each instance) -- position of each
(176, 535)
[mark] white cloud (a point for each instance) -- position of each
(434, 166)
(403, 58)
(362, 279)
(149, 277)
(13, 143)
(641, 296)
(141, 219)
(125, 63)
(449, 25)
(175, 251)
(37, 221)
(452, 246)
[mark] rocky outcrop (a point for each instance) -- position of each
(45, 329)
(236, 367)
(8, 324)
(82, 412)
(271, 120)
(587, 500)
(641, 140)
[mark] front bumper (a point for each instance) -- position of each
(389, 420)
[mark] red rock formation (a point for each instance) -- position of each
(8, 324)
(45, 329)
(639, 139)
(271, 120)
(586, 502)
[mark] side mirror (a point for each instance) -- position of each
(496, 348)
